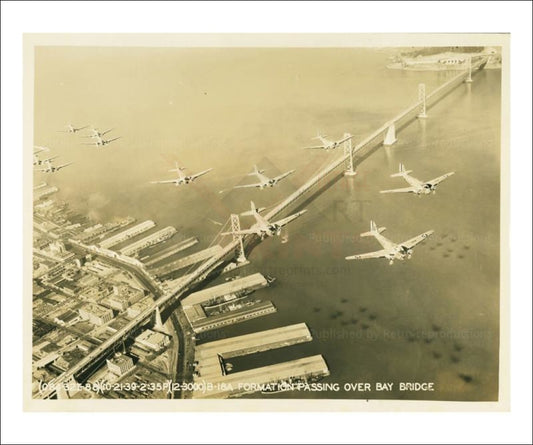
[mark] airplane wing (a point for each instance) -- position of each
(50, 159)
(107, 131)
(197, 175)
(316, 147)
(169, 181)
(38, 149)
(402, 190)
(251, 212)
(344, 139)
(416, 240)
(284, 175)
(111, 140)
(240, 232)
(94, 144)
(377, 254)
(288, 219)
(438, 180)
(63, 165)
(258, 184)
(81, 128)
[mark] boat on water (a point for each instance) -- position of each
(270, 279)
(222, 300)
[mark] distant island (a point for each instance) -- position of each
(432, 50)
(444, 58)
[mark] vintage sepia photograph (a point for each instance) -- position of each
(219, 218)
(266, 222)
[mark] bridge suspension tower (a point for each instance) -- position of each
(422, 99)
(348, 151)
(235, 228)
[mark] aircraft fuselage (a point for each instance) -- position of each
(395, 251)
(421, 187)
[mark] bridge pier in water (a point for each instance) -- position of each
(390, 137)
(469, 77)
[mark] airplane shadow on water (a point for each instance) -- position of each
(459, 251)
(440, 349)
(436, 345)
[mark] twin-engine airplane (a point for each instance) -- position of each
(391, 251)
(329, 145)
(100, 142)
(264, 180)
(37, 161)
(95, 133)
(49, 168)
(418, 187)
(263, 227)
(181, 179)
(71, 129)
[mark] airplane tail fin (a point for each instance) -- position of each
(374, 230)
(319, 136)
(401, 172)
(177, 169)
(256, 171)
(252, 211)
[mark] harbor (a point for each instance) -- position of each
(127, 234)
(302, 370)
(212, 365)
(236, 314)
(150, 240)
(226, 304)
(169, 251)
(182, 263)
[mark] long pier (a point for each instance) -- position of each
(207, 355)
(200, 273)
(182, 263)
(182, 245)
